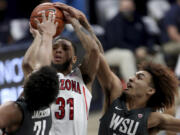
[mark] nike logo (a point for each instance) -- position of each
(117, 108)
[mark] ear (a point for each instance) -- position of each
(74, 59)
(151, 91)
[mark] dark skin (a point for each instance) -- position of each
(11, 116)
(140, 90)
(63, 50)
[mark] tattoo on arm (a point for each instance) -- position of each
(85, 31)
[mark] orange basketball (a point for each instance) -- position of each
(48, 7)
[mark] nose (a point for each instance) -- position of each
(59, 50)
(131, 79)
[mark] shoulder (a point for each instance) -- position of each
(13, 106)
(16, 110)
(10, 114)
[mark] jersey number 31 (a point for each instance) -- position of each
(61, 101)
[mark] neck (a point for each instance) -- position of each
(135, 102)
(66, 71)
(63, 68)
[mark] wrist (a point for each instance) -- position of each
(37, 36)
(47, 35)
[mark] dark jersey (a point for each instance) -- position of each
(35, 122)
(119, 121)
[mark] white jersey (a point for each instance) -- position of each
(70, 112)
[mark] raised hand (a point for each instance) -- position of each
(35, 33)
(48, 25)
(73, 12)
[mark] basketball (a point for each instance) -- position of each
(48, 7)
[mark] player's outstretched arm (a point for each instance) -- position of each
(164, 122)
(110, 83)
(108, 80)
(31, 53)
(40, 52)
(10, 115)
(90, 62)
(82, 19)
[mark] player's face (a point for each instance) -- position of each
(140, 84)
(62, 51)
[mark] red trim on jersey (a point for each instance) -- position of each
(85, 101)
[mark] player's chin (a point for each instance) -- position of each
(128, 91)
(58, 62)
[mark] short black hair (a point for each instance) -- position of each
(65, 38)
(41, 88)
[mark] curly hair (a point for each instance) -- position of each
(165, 83)
(41, 88)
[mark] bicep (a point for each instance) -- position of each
(170, 123)
(10, 114)
(164, 122)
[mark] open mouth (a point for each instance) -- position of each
(129, 86)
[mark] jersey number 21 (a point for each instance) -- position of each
(39, 127)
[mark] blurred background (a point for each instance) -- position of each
(131, 31)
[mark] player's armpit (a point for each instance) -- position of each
(10, 115)
(154, 120)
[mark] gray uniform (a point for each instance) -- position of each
(35, 122)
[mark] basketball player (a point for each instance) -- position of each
(140, 117)
(31, 115)
(135, 110)
(70, 111)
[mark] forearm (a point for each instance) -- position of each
(30, 55)
(86, 40)
(32, 50)
(44, 55)
(89, 28)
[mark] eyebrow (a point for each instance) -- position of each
(140, 74)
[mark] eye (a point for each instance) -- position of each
(139, 77)
(54, 48)
(65, 48)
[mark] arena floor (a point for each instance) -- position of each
(93, 123)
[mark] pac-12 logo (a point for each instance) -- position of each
(53, 11)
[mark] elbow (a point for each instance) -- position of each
(26, 64)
